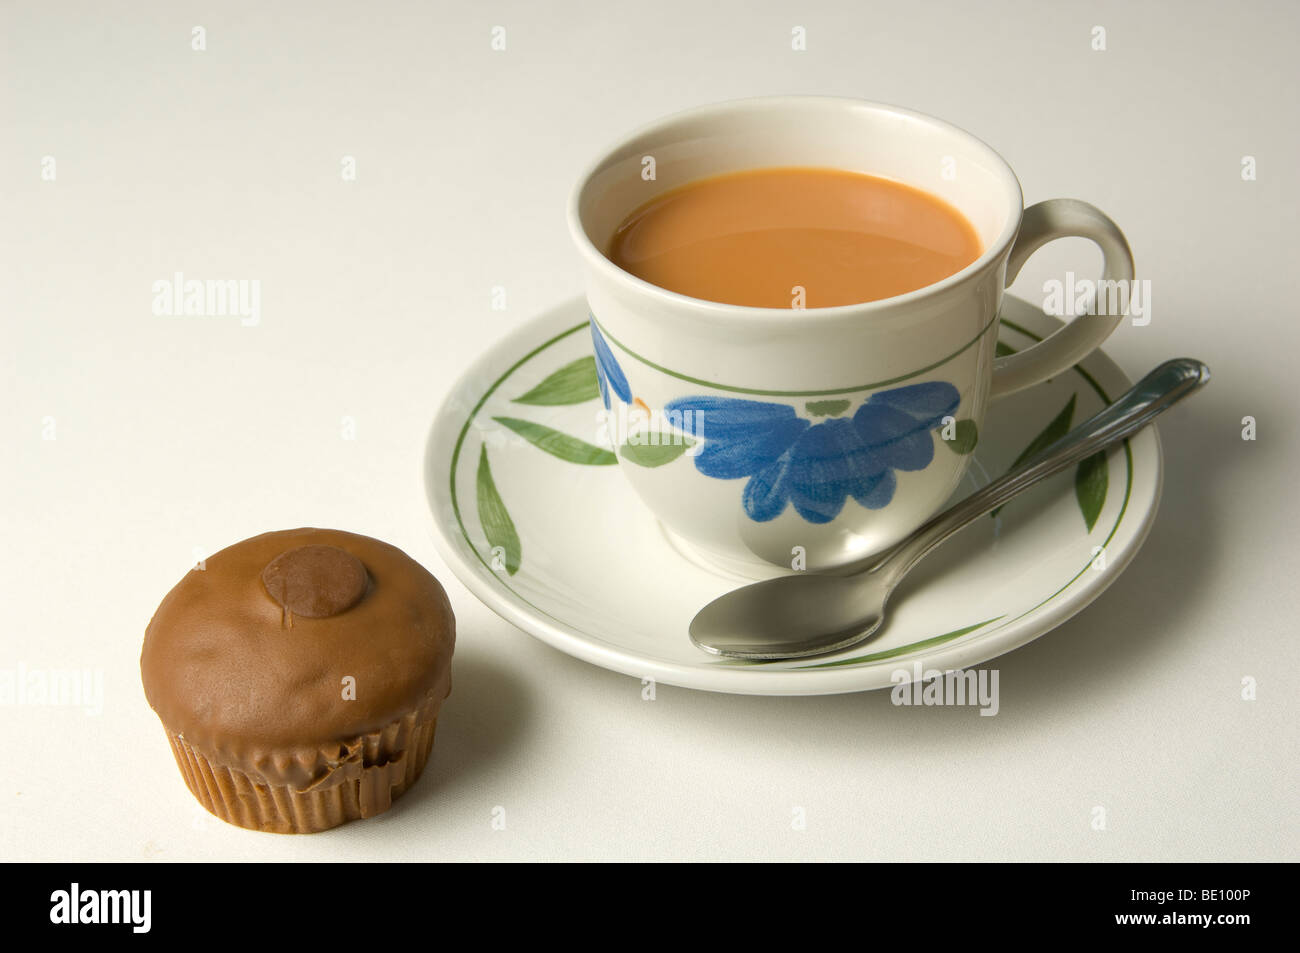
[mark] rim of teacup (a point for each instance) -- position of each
(723, 311)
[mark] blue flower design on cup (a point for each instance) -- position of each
(608, 374)
(788, 459)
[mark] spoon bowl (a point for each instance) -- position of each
(796, 616)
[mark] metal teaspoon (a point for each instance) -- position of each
(811, 613)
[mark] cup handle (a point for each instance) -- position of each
(1043, 223)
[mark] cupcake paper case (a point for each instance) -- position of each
(299, 675)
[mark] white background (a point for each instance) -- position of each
(182, 434)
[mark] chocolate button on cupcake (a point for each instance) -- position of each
(315, 581)
(299, 676)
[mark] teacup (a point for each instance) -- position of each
(812, 438)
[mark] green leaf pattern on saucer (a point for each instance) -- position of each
(1091, 478)
(574, 383)
(557, 444)
(507, 553)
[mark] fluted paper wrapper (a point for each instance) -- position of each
(361, 778)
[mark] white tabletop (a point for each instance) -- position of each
(136, 441)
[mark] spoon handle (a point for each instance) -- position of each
(1149, 397)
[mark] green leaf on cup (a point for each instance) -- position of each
(1057, 428)
(1091, 480)
(497, 524)
(964, 439)
(557, 444)
(827, 408)
(655, 455)
(573, 383)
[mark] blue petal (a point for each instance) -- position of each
(897, 439)
(741, 437)
(607, 367)
(896, 424)
(732, 417)
(604, 388)
(830, 463)
(767, 492)
(817, 511)
(878, 496)
(913, 452)
(926, 403)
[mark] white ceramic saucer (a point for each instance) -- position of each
(535, 519)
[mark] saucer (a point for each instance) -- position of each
(532, 514)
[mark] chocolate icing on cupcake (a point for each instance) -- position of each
(299, 676)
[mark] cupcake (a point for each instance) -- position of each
(298, 675)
